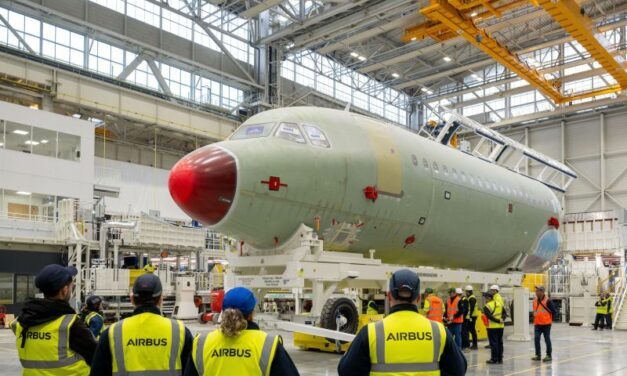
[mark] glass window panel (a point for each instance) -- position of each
(6, 288)
(24, 287)
(252, 131)
(42, 207)
(44, 142)
(17, 204)
(316, 136)
(17, 137)
(69, 147)
(291, 132)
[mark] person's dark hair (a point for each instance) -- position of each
(52, 294)
(146, 301)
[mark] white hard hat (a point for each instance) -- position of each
(458, 291)
(494, 287)
(468, 288)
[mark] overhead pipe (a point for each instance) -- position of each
(104, 228)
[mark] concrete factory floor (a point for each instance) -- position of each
(576, 351)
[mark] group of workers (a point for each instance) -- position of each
(605, 309)
(53, 340)
(461, 312)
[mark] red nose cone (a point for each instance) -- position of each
(203, 184)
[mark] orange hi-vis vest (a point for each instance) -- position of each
(541, 314)
(452, 308)
(436, 308)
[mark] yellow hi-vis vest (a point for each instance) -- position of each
(476, 312)
(496, 310)
(370, 310)
(499, 299)
(46, 351)
(406, 343)
(147, 344)
(610, 304)
(88, 319)
(602, 309)
(249, 353)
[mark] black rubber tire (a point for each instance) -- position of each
(347, 308)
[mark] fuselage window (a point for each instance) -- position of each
(252, 131)
(463, 176)
(316, 136)
(472, 179)
(435, 168)
(425, 164)
(291, 132)
(445, 169)
(479, 182)
(454, 173)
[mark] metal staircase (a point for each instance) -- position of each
(620, 311)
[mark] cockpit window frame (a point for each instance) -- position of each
(265, 134)
(277, 131)
(312, 142)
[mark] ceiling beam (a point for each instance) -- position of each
(258, 8)
(357, 19)
(371, 32)
(294, 27)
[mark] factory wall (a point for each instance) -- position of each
(134, 154)
(142, 188)
(24, 170)
(17, 274)
(594, 145)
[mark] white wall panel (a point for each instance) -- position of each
(48, 175)
(582, 140)
(142, 188)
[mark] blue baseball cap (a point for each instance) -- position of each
(147, 286)
(54, 277)
(240, 298)
(405, 280)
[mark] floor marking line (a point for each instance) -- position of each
(561, 361)
(527, 354)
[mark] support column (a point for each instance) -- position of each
(602, 157)
(521, 315)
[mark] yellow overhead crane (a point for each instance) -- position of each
(450, 18)
(567, 13)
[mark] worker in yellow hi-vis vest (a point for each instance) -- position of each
(404, 342)
(51, 339)
(94, 319)
(145, 343)
(238, 347)
(493, 312)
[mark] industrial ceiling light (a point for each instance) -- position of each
(413, 39)
(362, 58)
(424, 89)
(446, 58)
(29, 142)
(22, 193)
(396, 75)
(44, 141)
(354, 54)
(473, 14)
(20, 132)
(475, 76)
(429, 92)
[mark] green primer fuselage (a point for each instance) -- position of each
(437, 206)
